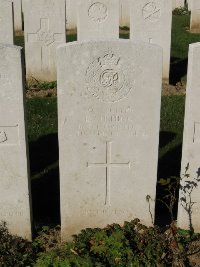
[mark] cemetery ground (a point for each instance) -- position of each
(130, 245)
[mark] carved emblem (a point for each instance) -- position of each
(151, 12)
(98, 12)
(3, 137)
(46, 37)
(106, 80)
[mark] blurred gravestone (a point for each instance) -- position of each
(195, 16)
(97, 20)
(6, 22)
(17, 6)
(44, 30)
(189, 196)
(151, 22)
(14, 170)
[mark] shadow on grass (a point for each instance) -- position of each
(168, 166)
(178, 69)
(43, 153)
(46, 199)
(45, 180)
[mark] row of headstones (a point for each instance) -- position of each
(96, 20)
(71, 21)
(109, 95)
(44, 29)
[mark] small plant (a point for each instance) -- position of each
(15, 251)
(38, 85)
(181, 11)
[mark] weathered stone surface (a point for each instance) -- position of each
(44, 27)
(6, 22)
(98, 20)
(14, 170)
(195, 16)
(150, 21)
(109, 113)
(17, 6)
(191, 146)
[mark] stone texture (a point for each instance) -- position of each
(44, 27)
(189, 4)
(178, 4)
(109, 113)
(195, 16)
(17, 6)
(14, 169)
(6, 22)
(191, 144)
(97, 20)
(150, 21)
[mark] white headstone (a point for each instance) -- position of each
(125, 13)
(109, 113)
(195, 16)
(6, 22)
(191, 146)
(189, 4)
(14, 169)
(71, 14)
(17, 6)
(150, 22)
(98, 20)
(44, 30)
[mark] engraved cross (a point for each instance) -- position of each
(108, 164)
(46, 38)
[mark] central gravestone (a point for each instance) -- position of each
(109, 112)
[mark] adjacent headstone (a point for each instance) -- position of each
(189, 202)
(6, 22)
(189, 4)
(125, 13)
(195, 16)
(151, 22)
(14, 170)
(71, 14)
(17, 6)
(109, 113)
(98, 20)
(44, 30)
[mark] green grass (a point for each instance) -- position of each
(180, 41)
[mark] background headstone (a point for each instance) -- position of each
(151, 21)
(191, 146)
(195, 16)
(178, 4)
(17, 6)
(109, 113)
(71, 14)
(125, 13)
(14, 169)
(6, 22)
(44, 30)
(97, 20)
